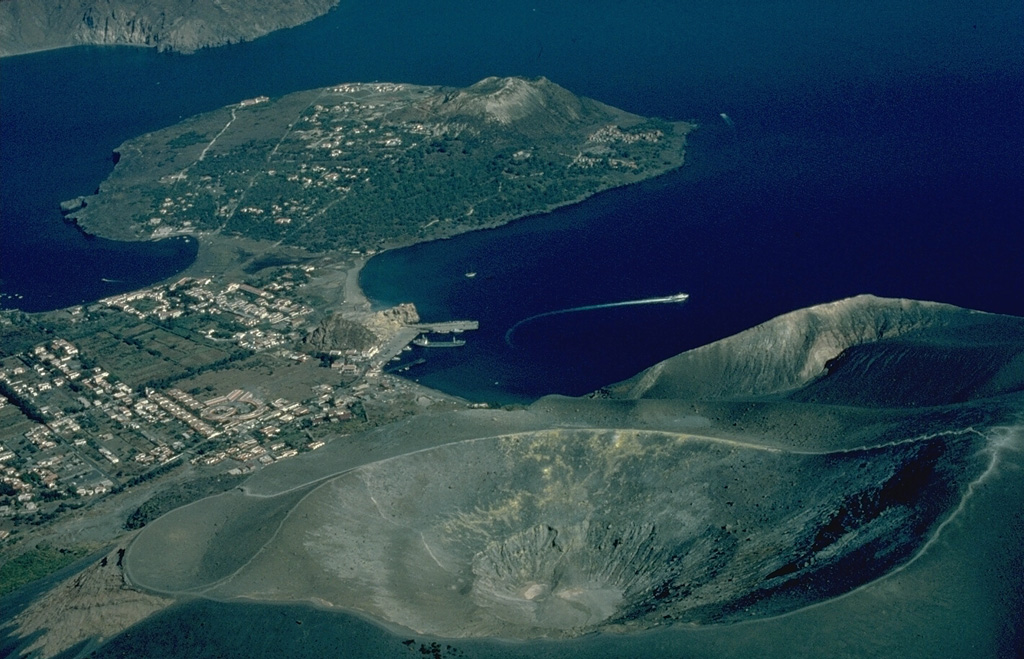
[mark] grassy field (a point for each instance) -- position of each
(13, 424)
(146, 353)
(37, 563)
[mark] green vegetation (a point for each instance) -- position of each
(37, 563)
(179, 495)
(149, 356)
(367, 166)
(187, 139)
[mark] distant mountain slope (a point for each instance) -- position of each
(182, 25)
(863, 350)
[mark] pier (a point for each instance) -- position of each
(451, 326)
(408, 333)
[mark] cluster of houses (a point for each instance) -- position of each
(89, 437)
(248, 305)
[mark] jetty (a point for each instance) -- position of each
(448, 327)
(415, 331)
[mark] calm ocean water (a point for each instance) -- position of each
(876, 148)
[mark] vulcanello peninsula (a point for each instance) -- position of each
(364, 166)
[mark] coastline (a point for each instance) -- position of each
(117, 209)
(354, 293)
(780, 92)
(47, 49)
(356, 296)
(214, 253)
(686, 127)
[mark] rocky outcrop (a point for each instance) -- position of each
(96, 604)
(402, 314)
(338, 333)
(532, 107)
(72, 205)
(181, 25)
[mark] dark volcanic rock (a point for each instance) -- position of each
(338, 333)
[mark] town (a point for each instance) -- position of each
(219, 376)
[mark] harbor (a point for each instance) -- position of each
(418, 334)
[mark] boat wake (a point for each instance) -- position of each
(678, 298)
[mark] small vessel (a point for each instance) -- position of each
(470, 274)
(424, 342)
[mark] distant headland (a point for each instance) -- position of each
(179, 25)
(364, 167)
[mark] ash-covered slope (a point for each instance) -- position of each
(532, 107)
(562, 532)
(783, 467)
(862, 350)
(182, 25)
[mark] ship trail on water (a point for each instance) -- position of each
(678, 298)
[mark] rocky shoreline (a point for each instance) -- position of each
(35, 25)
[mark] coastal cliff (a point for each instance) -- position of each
(180, 25)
